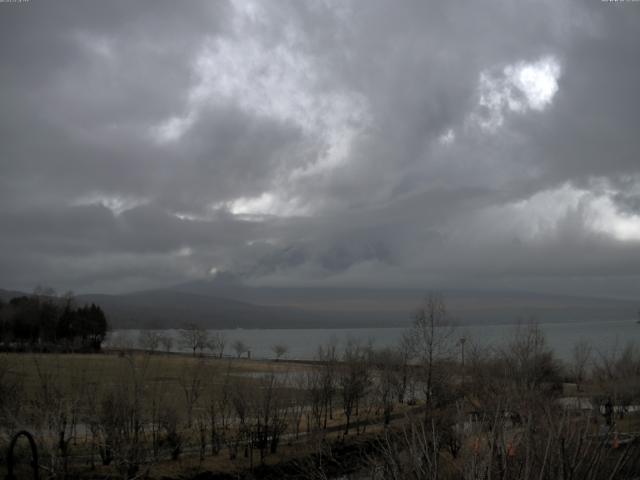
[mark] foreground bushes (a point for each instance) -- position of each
(415, 411)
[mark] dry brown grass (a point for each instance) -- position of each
(108, 368)
(162, 375)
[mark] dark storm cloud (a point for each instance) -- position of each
(428, 144)
(81, 83)
(227, 154)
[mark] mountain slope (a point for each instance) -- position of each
(212, 305)
(171, 309)
(395, 306)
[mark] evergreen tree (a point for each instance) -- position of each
(43, 319)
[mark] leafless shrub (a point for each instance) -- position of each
(617, 373)
(280, 350)
(240, 347)
(551, 443)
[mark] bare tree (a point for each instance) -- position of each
(217, 343)
(314, 397)
(617, 373)
(270, 408)
(240, 347)
(148, 340)
(55, 413)
(192, 384)
(402, 355)
(432, 338)
(328, 358)
(242, 396)
(223, 407)
(193, 337)
(298, 403)
(214, 414)
(155, 407)
(166, 341)
(528, 358)
(580, 358)
(169, 422)
(121, 415)
(354, 379)
(388, 364)
(279, 350)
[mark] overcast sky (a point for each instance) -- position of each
(449, 144)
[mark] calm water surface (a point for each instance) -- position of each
(303, 343)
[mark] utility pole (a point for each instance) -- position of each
(462, 342)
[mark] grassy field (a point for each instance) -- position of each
(73, 371)
(46, 386)
(108, 366)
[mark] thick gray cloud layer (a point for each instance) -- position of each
(423, 144)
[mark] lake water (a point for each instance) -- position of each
(303, 343)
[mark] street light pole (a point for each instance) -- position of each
(462, 342)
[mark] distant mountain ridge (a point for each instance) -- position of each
(223, 306)
(396, 306)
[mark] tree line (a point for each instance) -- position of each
(44, 321)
